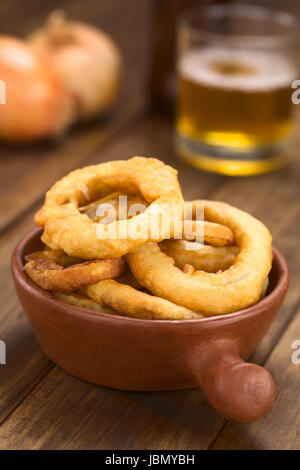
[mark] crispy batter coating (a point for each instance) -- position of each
(211, 293)
(57, 256)
(51, 276)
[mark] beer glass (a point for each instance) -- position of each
(235, 69)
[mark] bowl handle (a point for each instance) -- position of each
(238, 390)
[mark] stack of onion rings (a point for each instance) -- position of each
(61, 218)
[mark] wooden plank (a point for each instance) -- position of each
(26, 363)
(280, 428)
(66, 413)
(25, 173)
(12, 10)
(20, 18)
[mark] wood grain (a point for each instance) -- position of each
(26, 363)
(66, 413)
(280, 428)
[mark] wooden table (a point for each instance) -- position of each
(43, 407)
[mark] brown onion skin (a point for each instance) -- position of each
(37, 104)
(87, 60)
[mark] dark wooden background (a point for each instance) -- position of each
(43, 407)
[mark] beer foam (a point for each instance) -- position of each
(268, 70)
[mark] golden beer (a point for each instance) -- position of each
(234, 111)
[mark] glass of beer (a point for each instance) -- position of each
(236, 65)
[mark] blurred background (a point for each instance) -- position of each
(152, 44)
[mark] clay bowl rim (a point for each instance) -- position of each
(66, 307)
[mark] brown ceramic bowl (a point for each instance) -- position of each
(133, 354)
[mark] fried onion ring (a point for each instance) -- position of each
(211, 293)
(52, 276)
(66, 228)
(201, 257)
(133, 303)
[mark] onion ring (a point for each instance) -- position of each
(67, 229)
(201, 257)
(133, 303)
(52, 276)
(211, 293)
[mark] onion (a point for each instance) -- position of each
(86, 59)
(37, 104)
